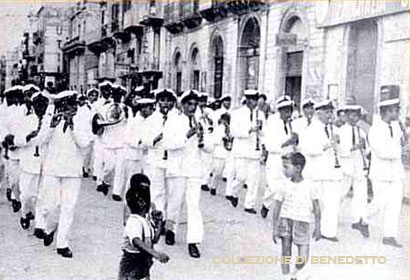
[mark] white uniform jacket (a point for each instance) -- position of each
(386, 164)
(274, 137)
(244, 144)
(29, 161)
(133, 135)
(184, 156)
(320, 164)
(65, 154)
(352, 161)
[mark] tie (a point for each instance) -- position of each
(191, 124)
(353, 137)
(164, 119)
(309, 121)
(251, 116)
(391, 131)
(327, 132)
(286, 128)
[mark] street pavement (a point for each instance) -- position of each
(97, 237)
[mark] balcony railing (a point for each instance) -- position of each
(132, 19)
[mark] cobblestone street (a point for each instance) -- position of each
(96, 242)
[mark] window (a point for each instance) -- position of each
(195, 80)
(179, 83)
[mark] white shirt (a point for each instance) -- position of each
(184, 156)
(65, 154)
(244, 145)
(29, 162)
(386, 164)
(218, 135)
(133, 134)
(113, 135)
(137, 227)
(320, 164)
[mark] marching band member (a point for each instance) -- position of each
(153, 140)
(246, 127)
(30, 141)
(386, 169)
(13, 123)
(308, 108)
(114, 122)
(204, 115)
(320, 143)
(85, 114)
(277, 134)
(67, 141)
(226, 102)
(184, 138)
(353, 157)
(133, 154)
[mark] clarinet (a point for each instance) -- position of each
(259, 125)
(37, 152)
(337, 163)
(362, 153)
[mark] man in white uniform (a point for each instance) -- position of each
(278, 134)
(68, 138)
(246, 128)
(184, 140)
(320, 143)
(386, 169)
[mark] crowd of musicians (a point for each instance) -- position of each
(188, 143)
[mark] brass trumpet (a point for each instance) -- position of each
(227, 139)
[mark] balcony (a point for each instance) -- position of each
(240, 7)
(132, 22)
(192, 20)
(75, 46)
(152, 16)
(214, 11)
(94, 41)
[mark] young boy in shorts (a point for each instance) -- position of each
(139, 234)
(294, 204)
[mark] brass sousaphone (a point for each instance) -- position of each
(114, 114)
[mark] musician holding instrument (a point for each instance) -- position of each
(31, 142)
(184, 139)
(279, 135)
(246, 127)
(320, 142)
(67, 140)
(386, 170)
(354, 162)
(153, 141)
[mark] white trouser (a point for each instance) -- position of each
(40, 210)
(112, 160)
(247, 171)
(330, 197)
(387, 196)
(13, 175)
(60, 193)
(229, 166)
(218, 165)
(359, 200)
(89, 158)
(98, 159)
(274, 184)
(123, 175)
(206, 168)
(178, 186)
(29, 189)
(158, 186)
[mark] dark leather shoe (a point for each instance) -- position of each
(116, 197)
(245, 186)
(213, 191)
(25, 223)
(193, 251)
(85, 173)
(30, 216)
(391, 241)
(250, 210)
(333, 239)
(48, 239)
(8, 194)
(264, 211)
(364, 229)
(233, 200)
(224, 179)
(169, 238)
(16, 205)
(65, 252)
(105, 189)
(95, 178)
(39, 233)
(205, 188)
(100, 187)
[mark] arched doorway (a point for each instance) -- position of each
(218, 66)
(361, 63)
(293, 59)
(248, 55)
(178, 73)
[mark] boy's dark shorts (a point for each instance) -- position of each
(135, 266)
(297, 231)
